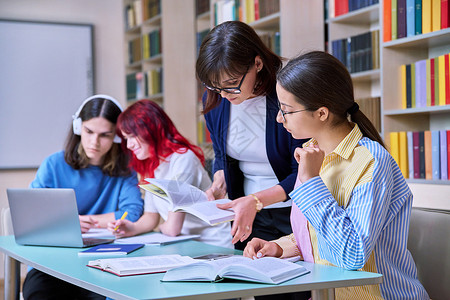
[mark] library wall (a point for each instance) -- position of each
(106, 16)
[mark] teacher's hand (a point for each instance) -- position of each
(245, 212)
(218, 189)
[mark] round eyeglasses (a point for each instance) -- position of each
(229, 90)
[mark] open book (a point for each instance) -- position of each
(140, 265)
(190, 199)
(263, 270)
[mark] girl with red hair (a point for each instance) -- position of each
(159, 151)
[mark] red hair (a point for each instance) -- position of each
(147, 121)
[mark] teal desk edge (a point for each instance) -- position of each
(65, 264)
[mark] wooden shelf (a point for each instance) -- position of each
(429, 110)
(424, 41)
(366, 15)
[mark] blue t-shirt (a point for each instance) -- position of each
(96, 192)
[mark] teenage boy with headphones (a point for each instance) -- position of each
(95, 166)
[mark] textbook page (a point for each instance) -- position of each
(155, 238)
(265, 270)
(181, 194)
(209, 212)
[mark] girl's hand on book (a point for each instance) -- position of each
(258, 248)
(309, 161)
(218, 189)
(245, 212)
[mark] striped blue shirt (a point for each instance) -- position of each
(358, 211)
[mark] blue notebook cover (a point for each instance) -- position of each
(111, 249)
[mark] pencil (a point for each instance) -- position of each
(123, 217)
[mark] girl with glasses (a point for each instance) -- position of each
(351, 204)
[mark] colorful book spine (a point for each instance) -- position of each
(426, 16)
(448, 154)
(413, 85)
(416, 153)
(435, 15)
(435, 155)
(387, 27)
(421, 155)
(404, 90)
(401, 19)
(418, 16)
(394, 146)
(394, 20)
(447, 79)
(410, 141)
(428, 155)
(444, 14)
(432, 77)
(443, 154)
(408, 87)
(410, 18)
(441, 78)
(403, 153)
(421, 83)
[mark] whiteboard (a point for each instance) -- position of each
(46, 71)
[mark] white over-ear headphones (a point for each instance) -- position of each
(76, 124)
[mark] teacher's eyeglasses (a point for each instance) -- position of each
(229, 90)
(283, 113)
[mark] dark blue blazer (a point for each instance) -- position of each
(280, 147)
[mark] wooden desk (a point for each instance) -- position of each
(65, 264)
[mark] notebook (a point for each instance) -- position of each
(47, 217)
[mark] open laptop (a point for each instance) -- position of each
(47, 217)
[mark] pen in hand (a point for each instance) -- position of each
(123, 217)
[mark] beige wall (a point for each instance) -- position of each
(106, 16)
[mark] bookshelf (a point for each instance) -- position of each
(281, 23)
(167, 62)
(360, 26)
(386, 81)
(276, 21)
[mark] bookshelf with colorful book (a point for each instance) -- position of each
(415, 89)
(412, 84)
(354, 38)
(143, 50)
(155, 29)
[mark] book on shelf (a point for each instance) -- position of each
(138, 265)
(358, 53)
(435, 155)
(155, 238)
(406, 18)
(428, 157)
(426, 82)
(443, 154)
(246, 11)
(263, 270)
(403, 153)
(187, 198)
(422, 154)
(110, 250)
